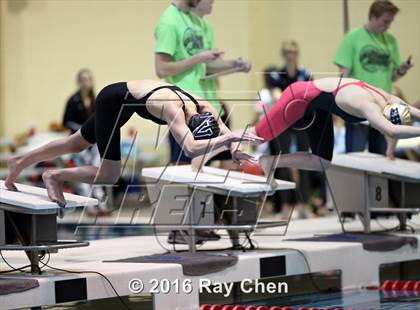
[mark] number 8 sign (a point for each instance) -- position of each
(378, 192)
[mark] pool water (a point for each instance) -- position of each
(364, 299)
(367, 300)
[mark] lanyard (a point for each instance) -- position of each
(182, 13)
(380, 44)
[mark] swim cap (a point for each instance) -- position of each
(397, 113)
(204, 126)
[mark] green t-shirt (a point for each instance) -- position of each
(182, 35)
(209, 86)
(371, 58)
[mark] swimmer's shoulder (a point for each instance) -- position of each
(330, 84)
(140, 88)
(145, 84)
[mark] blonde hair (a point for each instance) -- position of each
(398, 113)
(287, 44)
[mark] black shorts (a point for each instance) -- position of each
(103, 127)
(321, 135)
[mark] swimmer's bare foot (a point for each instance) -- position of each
(54, 188)
(15, 167)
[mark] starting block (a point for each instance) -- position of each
(186, 200)
(366, 183)
(28, 221)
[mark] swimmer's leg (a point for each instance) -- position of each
(72, 144)
(107, 173)
(321, 139)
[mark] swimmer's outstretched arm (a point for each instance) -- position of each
(238, 155)
(373, 114)
(192, 147)
(235, 148)
(198, 162)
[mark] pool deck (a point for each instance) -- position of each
(358, 266)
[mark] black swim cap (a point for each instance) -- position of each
(204, 126)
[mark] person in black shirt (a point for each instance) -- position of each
(81, 104)
(79, 107)
(279, 79)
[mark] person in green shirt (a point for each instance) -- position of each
(210, 86)
(184, 54)
(181, 51)
(370, 54)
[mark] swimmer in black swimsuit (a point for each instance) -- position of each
(194, 124)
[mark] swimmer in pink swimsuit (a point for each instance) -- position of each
(304, 106)
(310, 105)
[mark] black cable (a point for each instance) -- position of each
(292, 249)
(18, 269)
(13, 269)
(93, 272)
(306, 262)
(307, 266)
(158, 241)
(197, 246)
(10, 266)
(412, 229)
(246, 241)
(414, 223)
(385, 229)
(243, 245)
(42, 257)
(253, 241)
(395, 228)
